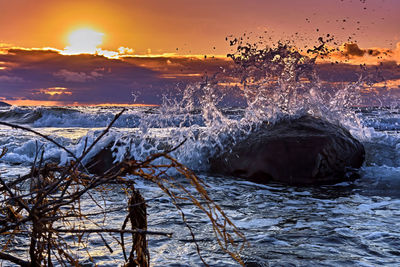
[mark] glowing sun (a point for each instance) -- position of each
(84, 41)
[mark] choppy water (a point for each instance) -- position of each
(346, 224)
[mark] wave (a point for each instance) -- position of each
(203, 139)
(97, 117)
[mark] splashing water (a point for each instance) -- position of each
(268, 83)
(273, 83)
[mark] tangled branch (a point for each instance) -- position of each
(46, 208)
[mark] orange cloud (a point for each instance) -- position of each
(351, 53)
(179, 75)
(389, 84)
(52, 91)
(29, 102)
(2, 67)
(124, 105)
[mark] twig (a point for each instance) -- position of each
(8, 257)
(20, 202)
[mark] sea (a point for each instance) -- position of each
(353, 223)
(348, 224)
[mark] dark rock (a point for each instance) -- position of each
(102, 162)
(302, 151)
(4, 104)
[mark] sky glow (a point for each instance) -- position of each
(104, 51)
(83, 41)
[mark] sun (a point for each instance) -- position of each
(83, 41)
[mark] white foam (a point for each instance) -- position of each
(256, 223)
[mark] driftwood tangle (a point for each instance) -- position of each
(43, 208)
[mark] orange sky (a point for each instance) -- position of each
(196, 27)
(182, 32)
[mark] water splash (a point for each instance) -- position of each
(273, 82)
(267, 84)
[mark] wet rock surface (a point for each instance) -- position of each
(102, 162)
(302, 151)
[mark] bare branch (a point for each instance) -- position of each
(8, 257)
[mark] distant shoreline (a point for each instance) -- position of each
(27, 104)
(4, 104)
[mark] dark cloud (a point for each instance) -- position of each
(93, 79)
(46, 75)
(89, 78)
(350, 73)
(373, 52)
(352, 49)
(71, 76)
(10, 79)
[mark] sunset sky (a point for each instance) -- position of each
(41, 42)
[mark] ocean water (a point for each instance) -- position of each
(347, 224)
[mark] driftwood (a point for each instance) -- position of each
(44, 208)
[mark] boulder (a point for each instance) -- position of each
(102, 162)
(301, 151)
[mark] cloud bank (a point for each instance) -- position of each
(35, 76)
(39, 75)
